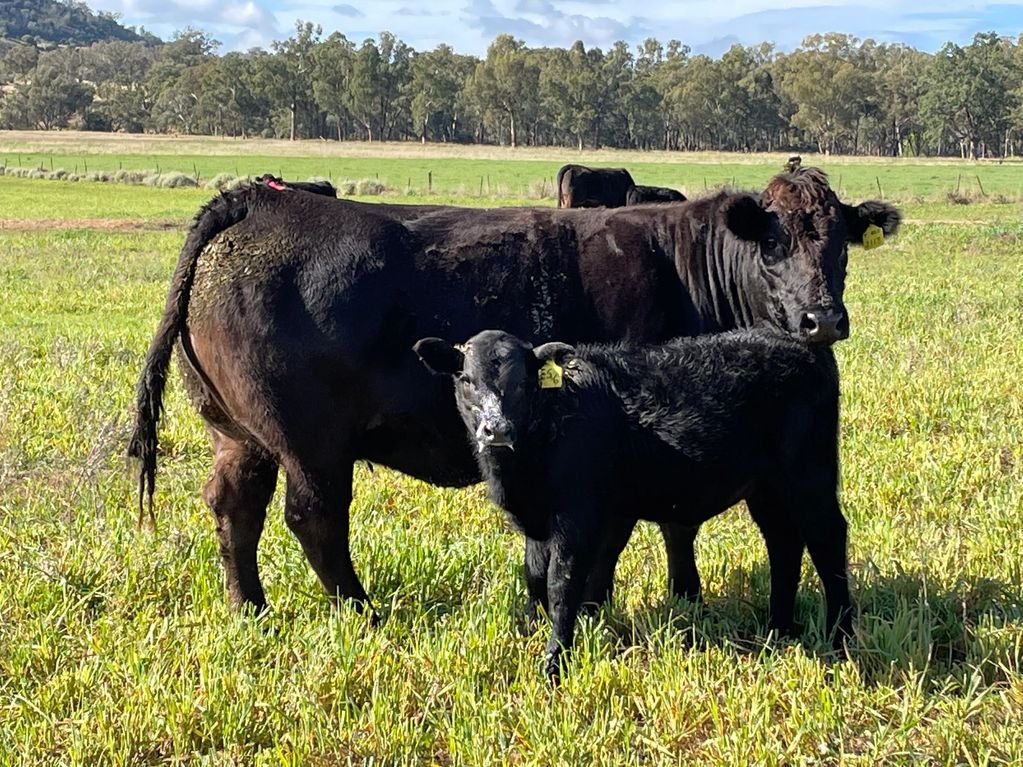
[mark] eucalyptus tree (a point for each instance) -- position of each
(294, 73)
(333, 70)
(437, 78)
(971, 94)
(506, 83)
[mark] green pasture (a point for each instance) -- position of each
(28, 199)
(117, 647)
(470, 174)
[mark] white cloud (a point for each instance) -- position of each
(470, 25)
(237, 23)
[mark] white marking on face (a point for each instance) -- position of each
(490, 415)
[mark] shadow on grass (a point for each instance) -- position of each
(903, 623)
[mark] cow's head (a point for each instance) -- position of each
(496, 381)
(803, 231)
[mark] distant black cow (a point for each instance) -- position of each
(324, 188)
(568, 438)
(639, 194)
(294, 315)
(582, 187)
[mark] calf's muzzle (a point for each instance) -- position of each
(495, 432)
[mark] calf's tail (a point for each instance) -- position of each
(214, 217)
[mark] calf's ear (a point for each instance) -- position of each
(439, 356)
(554, 350)
(871, 212)
(746, 219)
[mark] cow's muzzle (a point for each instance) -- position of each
(825, 326)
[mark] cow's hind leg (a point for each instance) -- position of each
(316, 510)
(785, 552)
(238, 492)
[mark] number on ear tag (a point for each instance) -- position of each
(550, 375)
(873, 237)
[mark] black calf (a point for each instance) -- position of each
(573, 441)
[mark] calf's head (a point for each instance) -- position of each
(496, 379)
(802, 232)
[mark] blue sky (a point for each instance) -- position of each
(707, 26)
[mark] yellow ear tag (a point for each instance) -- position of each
(873, 237)
(550, 375)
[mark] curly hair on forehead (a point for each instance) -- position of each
(800, 189)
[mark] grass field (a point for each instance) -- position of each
(116, 645)
(473, 174)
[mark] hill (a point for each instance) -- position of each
(62, 22)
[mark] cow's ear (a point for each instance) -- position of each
(440, 356)
(747, 220)
(871, 212)
(553, 350)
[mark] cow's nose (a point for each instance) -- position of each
(495, 433)
(825, 326)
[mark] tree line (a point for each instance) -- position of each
(835, 93)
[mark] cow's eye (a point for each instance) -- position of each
(770, 251)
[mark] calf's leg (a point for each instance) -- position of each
(316, 510)
(680, 544)
(601, 581)
(571, 558)
(785, 552)
(825, 531)
(537, 562)
(238, 491)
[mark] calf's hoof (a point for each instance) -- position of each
(534, 613)
(554, 662)
(843, 637)
(361, 606)
(791, 630)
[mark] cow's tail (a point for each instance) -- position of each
(214, 217)
(561, 177)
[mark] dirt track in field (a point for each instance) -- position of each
(98, 224)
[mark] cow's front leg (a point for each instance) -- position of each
(571, 557)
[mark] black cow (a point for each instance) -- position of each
(582, 187)
(295, 315)
(315, 187)
(639, 194)
(569, 438)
